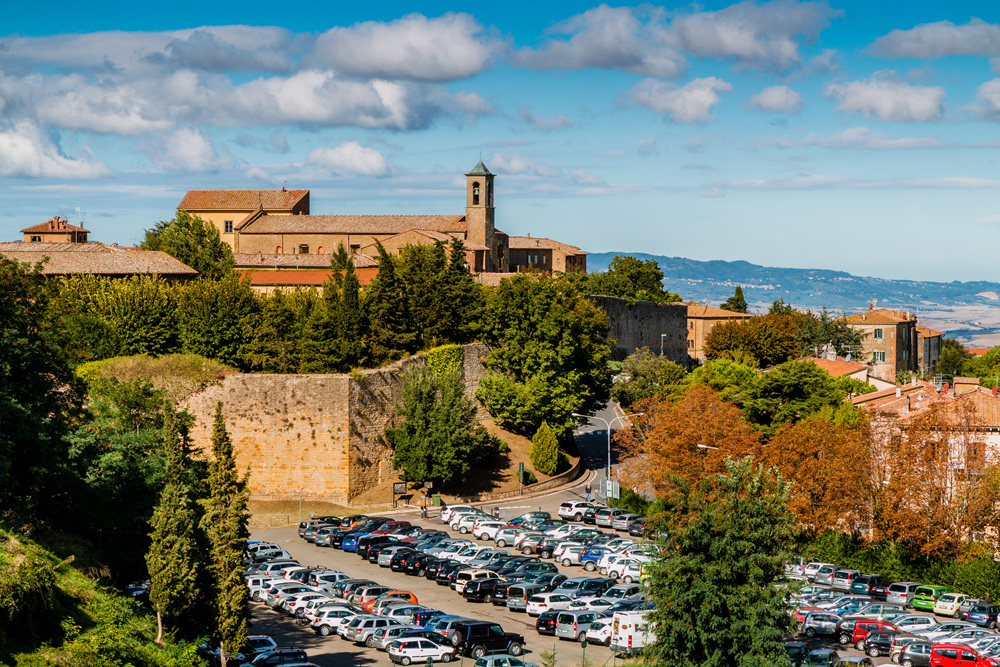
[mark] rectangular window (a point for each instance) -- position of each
(877, 333)
(879, 357)
(355, 247)
(36, 239)
(906, 355)
(228, 226)
(304, 248)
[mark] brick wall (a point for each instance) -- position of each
(318, 435)
(640, 325)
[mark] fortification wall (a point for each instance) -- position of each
(640, 325)
(315, 435)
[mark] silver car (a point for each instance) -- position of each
(386, 636)
(901, 593)
(820, 623)
(574, 624)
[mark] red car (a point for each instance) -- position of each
(390, 527)
(958, 655)
(863, 627)
(800, 613)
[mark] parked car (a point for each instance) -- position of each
(621, 521)
(811, 568)
(925, 597)
(606, 515)
(865, 625)
(599, 631)
(902, 592)
(936, 632)
(477, 638)
(821, 658)
(279, 656)
(502, 661)
(545, 624)
(821, 623)
(573, 510)
(480, 590)
(824, 575)
(574, 624)
(418, 650)
(984, 615)
(879, 642)
(797, 652)
(546, 602)
(916, 654)
(956, 655)
(842, 579)
(948, 604)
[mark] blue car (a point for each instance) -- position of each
(984, 615)
(423, 617)
(591, 556)
(351, 542)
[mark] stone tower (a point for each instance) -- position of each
(479, 211)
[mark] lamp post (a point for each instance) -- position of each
(607, 424)
(662, 336)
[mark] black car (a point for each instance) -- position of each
(537, 568)
(417, 562)
(550, 580)
(637, 528)
(511, 564)
(446, 574)
(398, 562)
(797, 652)
(594, 587)
(499, 596)
(546, 623)
(337, 538)
(480, 590)
(477, 638)
(821, 658)
(589, 516)
(916, 654)
(434, 566)
(879, 642)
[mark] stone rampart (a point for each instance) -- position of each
(641, 325)
(318, 436)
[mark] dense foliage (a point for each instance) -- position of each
(627, 278)
(736, 303)
(193, 241)
(549, 354)
(645, 374)
(544, 453)
(727, 537)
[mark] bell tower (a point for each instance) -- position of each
(479, 211)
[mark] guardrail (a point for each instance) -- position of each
(562, 478)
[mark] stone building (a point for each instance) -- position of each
(64, 259)
(889, 340)
(229, 209)
(546, 255)
(56, 230)
(700, 320)
(928, 349)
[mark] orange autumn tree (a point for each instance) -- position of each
(939, 488)
(829, 465)
(664, 441)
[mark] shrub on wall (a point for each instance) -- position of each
(545, 450)
(443, 358)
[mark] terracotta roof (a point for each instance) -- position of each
(837, 367)
(978, 351)
(881, 316)
(927, 332)
(305, 278)
(528, 242)
(354, 224)
(958, 379)
(248, 260)
(95, 258)
(56, 224)
(880, 398)
(698, 311)
(241, 200)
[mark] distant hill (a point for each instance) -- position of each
(969, 311)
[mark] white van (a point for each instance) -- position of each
(630, 633)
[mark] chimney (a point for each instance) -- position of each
(899, 392)
(994, 391)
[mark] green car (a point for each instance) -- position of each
(925, 596)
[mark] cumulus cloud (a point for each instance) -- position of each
(943, 38)
(27, 151)
(515, 164)
(988, 98)
(887, 99)
(544, 124)
(584, 177)
(349, 157)
(755, 35)
(778, 99)
(690, 103)
(608, 38)
(188, 149)
(414, 47)
(861, 138)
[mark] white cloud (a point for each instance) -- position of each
(27, 151)
(690, 103)
(715, 193)
(583, 177)
(607, 38)
(544, 124)
(888, 100)
(943, 38)
(188, 150)
(991, 219)
(758, 35)
(414, 47)
(350, 157)
(514, 164)
(778, 99)
(988, 96)
(861, 138)
(647, 147)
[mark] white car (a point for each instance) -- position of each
(258, 585)
(914, 623)
(609, 559)
(967, 636)
(328, 619)
(620, 543)
(571, 555)
(453, 550)
(450, 510)
(943, 630)
(293, 604)
(470, 552)
(627, 570)
(574, 510)
(411, 650)
(487, 530)
(465, 523)
(562, 531)
(502, 660)
(599, 631)
(591, 604)
(547, 602)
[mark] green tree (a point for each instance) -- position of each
(140, 314)
(953, 359)
(391, 334)
(628, 278)
(715, 586)
(350, 319)
(172, 559)
(779, 307)
(341, 259)
(549, 354)
(217, 318)
(194, 242)
(544, 452)
(224, 522)
(37, 391)
(277, 337)
(644, 375)
(440, 439)
(736, 303)
(769, 339)
(815, 331)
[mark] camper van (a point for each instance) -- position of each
(630, 633)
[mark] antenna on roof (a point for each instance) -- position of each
(283, 186)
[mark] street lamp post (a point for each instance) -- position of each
(607, 424)
(662, 336)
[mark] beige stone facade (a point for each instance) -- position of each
(889, 343)
(700, 320)
(928, 350)
(318, 437)
(56, 230)
(228, 209)
(546, 255)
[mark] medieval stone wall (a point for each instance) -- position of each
(640, 325)
(315, 435)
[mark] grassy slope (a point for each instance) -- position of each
(178, 374)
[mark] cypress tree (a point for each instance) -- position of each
(172, 557)
(391, 333)
(225, 525)
(736, 303)
(544, 452)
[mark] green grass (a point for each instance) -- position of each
(179, 375)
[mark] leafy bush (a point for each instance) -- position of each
(631, 501)
(443, 358)
(545, 450)
(528, 477)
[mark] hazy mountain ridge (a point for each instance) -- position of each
(966, 310)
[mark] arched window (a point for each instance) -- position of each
(277, 250)
(319, 250)
(475, 193)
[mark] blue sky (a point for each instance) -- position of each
(842, 135)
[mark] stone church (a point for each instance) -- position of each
(268, 228)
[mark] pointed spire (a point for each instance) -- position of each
(480, 170)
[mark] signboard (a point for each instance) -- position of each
(399, 488)
(614, 489)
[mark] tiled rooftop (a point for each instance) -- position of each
(246, 260)
(696, 311)
(881, 316)
(96, 258)
(241, 200)
(56, 224)
(529, 242)
(354, 224)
